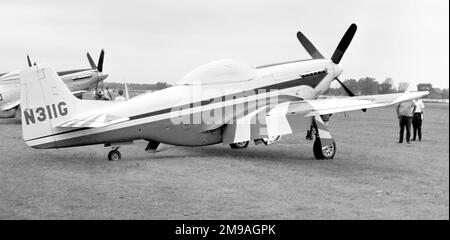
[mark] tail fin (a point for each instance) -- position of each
(45, 102)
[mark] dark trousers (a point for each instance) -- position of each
(417, 125)
(405, 122)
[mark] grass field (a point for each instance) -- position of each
(371, 177)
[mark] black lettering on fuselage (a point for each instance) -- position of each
(54, 110)
(28, 114)
(43, 113)
(62, 108)
(49, 112)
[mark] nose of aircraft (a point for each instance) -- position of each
(338, 70)
(102, 76)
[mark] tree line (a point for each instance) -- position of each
(369, 86)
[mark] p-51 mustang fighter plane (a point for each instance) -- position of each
(78, 81)
(224, 101)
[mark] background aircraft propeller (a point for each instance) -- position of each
(29, 61)
(99, 66)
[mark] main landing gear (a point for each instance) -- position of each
(324, 147)
(323, 152)
(114, 155)
(239, 145)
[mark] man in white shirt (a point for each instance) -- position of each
(120, 98)
(405, 112)
(417, 119)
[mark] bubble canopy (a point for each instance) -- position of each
(221, 71)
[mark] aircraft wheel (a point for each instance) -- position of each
(326, 153)
(239, 145)
(114, 155)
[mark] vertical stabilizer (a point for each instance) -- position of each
(45, 102)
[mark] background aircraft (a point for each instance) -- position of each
(224, 101)
(78, 81)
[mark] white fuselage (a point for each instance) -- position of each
(161, 115)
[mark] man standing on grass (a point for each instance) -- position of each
(417, 119)
(405, 111)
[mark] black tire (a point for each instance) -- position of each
(114, 155)
(239, 145)
(323, 154)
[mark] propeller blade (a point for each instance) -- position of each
(91, 62)
(343, 44)
(29, 61)
(309, 47)
(348, 91)
(100, 61)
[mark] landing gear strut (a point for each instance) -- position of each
(114, 155)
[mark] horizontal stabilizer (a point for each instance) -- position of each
(93, 120)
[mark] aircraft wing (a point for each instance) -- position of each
(91, 120)
(335, 105)
(288, 117)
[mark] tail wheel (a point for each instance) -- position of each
(239, 145)
(114, 155)
(325, 153)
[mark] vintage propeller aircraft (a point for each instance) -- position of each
(78, 81)
(225, 101)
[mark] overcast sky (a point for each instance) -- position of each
(150, 41)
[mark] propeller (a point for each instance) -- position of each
(29, 61)
(347, 90)
(100, 61)
(337, 55)
(99, 65)
(309, 47)
(343, 44)
(91, 62)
